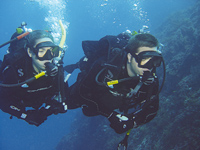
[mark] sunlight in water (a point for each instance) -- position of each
(138, 12)
(119, 12)
(105, 11)
(56, 10)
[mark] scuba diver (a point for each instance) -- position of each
(32, 78)
(118, 80)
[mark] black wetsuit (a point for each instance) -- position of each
(96, 99)
(33, 102)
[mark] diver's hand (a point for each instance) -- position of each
(52, 70)
(147, 78)
(121, 123)
(35, 117)
(58, 108)
(55, 106)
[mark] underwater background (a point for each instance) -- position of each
(176, 25)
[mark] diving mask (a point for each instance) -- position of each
(148, 59)
(42, 53)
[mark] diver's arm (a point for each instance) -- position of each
(122, 123)
(13, 107)
(11, 104)
(149, 110)
(147, 113)
(8, 102)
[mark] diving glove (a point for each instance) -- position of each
(61, 108)
(35, 117)
(55, 107)
(147, 78)
(121, 123)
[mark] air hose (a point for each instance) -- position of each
(25, 82)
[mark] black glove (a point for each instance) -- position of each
(121, 123)
(58, 108)
(52, 70)
(35, 117)
(147, 78)
(55, 106)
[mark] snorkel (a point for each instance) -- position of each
(57, 60)
(63, 38)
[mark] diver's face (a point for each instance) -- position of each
(39, 65)
(132, 66)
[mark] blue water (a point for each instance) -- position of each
(84, 20)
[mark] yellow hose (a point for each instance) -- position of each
(39, 75)
(128, 132)
(112, 82)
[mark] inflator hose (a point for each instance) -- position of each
(25, 82)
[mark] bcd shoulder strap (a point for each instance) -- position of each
(14, 60)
